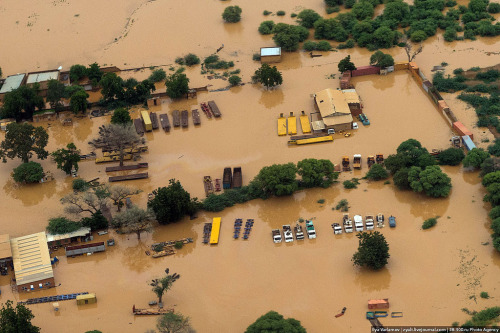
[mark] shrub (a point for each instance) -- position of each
(307, 17)
(31, 172)
(349, 3)
(475, 69)
(178, 245)
(330, 10)
(191, 59)
(309, 45)
(158, 75)
(347, 45)
(343, 205)
(488, 76)
(266, 27)
(321, 201)
(62, 225)
(377, 172)
(234, 80)
(494, 8)
(266, 13)
(77, 72)
(293, 15)
(484, 294)
(451, 156)
(96, 222)
(232, 14)
(323, 46)
(418, 36)
(381, 59)
(494, 213)
(256, 57)
(450, 3)
(448, 84)
(280, 13)
(179, 60)
(349, 184)
(80, 185)
(495, 226)
(429, 223)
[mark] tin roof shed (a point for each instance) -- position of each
(270, 51)
(5, 250)
(42, 76)
(333, 107)
(77, 233)
(12, 82)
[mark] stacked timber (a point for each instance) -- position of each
(127, 167)
(139, 127)
(154, 120)
(196, 117)
(176, 118)
(214, 108)
(128, 177)
(165, 123)
(184, 118)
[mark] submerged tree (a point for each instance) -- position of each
(31, 172)
(118, 193)
(16, 319)
(232, 14)
(268, 76)
(316, 173)
(62, 225)
(134, 220)
(410, 53)
(162, 285)
(24, 140)
(21, 103)
(56, 91)
(432, 181)
(273, 321)
(67, 158)
(177, 85)
(346, 65)
(373, 250)
(118, 138)
(174, 323)
(90, 201)
(121, 116)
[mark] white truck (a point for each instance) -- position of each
(276, 235)
(346, 220)
(369, 223)
(358, 223)
(287, 233)
(299, 234)
(337, 229)
(311, 232)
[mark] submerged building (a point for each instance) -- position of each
(334, 109)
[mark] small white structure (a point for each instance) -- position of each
(358, 222)
(287, 233)
(270, 54)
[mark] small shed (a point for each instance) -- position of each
(12, 82)
(5, 250)
(353, 100)
(86, 299)
(63, 239)
(270, 54)
(378, 303)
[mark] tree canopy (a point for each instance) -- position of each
(92, 200)
(268, 76)
(31, 172)
(174, 323)
(163, 284)
(78, 101)
(77, 72)
(21, 103)
(276, 323)
(307, 17)
(277, 179)
(381, 59)
(177, 85)
(67, 158)
(451, 156)
(62, 225)
(172, 203)
(377, 172)
(16, 319)
(232, 14)
(373, 250)
(346, 65)
(134, 220)
(475, 158)
(409, 153)
(289, 36)
(24, 140)
(121, 116)
(96, 221)
(56, 91)
(431, 181)
(316, 173)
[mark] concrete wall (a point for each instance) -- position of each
(270, 59)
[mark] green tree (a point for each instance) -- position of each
(330, 29)
(158, 75)
(396, 11)
(172, 203)
(432, 181)
(97, 221)
(67, 159)
(266, 27)
(94, 73)
(55, 92)
(377, 172)
(491, 178)
(478, 6)
(493, 8)
(16, 319)
(493, 195)
(495, 226)
(232, 14)
(118, 138)
(316, 173)
(31, 172)
(177, 85)
(289, 36)
(24, 140)
(381, 59)
(174, 323)
(22, 102)
(62, 225)
(373, 250)
(451, 156)
(276, 323)
(307, 17)
(409, 153)
(268, 76)
(418, 36)
(134, 220)
(346, 65)
(450, 34)
(112, 87)
(363, 10)
(80, 185)
(475, 158)
(78, 101)
(400, 179)
(121, 116)
(384, 37)
(234, 80)
(118, 193)
(77, 72)
(277, 179)
(191, 59)
(429, 223)
(162, 285)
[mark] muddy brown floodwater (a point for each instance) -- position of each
(431, 274)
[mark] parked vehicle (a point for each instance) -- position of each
(346, 220)
(227, 178)
(356, 163)
(358, 223)
(380, 159)
(299, 234)
(276, 235)
(355, 125)
(392, 221)
(380, 220)
(346, 164)
(311, 232)
(337, 229)
(237, 177)
(287, 233)
(369, 222)
(364, 119)
(370, 161)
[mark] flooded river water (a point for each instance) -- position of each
(431, 274)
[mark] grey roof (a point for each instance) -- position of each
(12, 82)
(41, 77)
(77, 233)
(270, 51)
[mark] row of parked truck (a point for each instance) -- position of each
(357, 161)
(358, 225)
(288, 234)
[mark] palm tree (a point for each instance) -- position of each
(160, 286)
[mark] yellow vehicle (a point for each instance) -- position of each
(146, 120)
(214, 236)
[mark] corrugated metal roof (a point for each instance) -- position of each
(78, 233)
(31, 258)
(333, 107)
(270, 51)
(12, 82)
(351, 96)
(41, 77)
(5, 251)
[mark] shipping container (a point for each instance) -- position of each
(86, 299)
(469, 145)
(442, 105)
(365, 70)
(462, 130)
(147, 121)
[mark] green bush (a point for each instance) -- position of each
(256, 57)
(488, 76)
(349, 3)
(484, 294)
(321, 201)
(330, 10)
(80, 185)
(96, 222)
(158, 75)
(450, 3)
(62, 225)
(234, 80)
(180, 61)
(280, 13)
(494, 8)
(266, 13)
(448, 84)
(343, 205)
(266, 27)
(494, 213)
(349, 44)
(309, 45)
(191, 59)
(31, 172)
(178, 245)
(349, 184)
(323, 46)
(429, 223)
(451, 156)
(377, 172)
(307, 17)
(232, 14)
(418, 36)
(293, 15)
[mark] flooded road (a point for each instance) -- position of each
(226, 287)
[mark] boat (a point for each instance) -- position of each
(154, 120)
(299, 234)
(167, 251)
(217, 185)
(358, 223)
(209, 187)
(347, 222)
(206, 110)
(276, 235)
(311, 232)
(392, 221)
(139, 126)
(127, 167)
(287, 233)
(369, 222)
(227, 178)
(237, 178)
(337, 229)
(141, 175)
